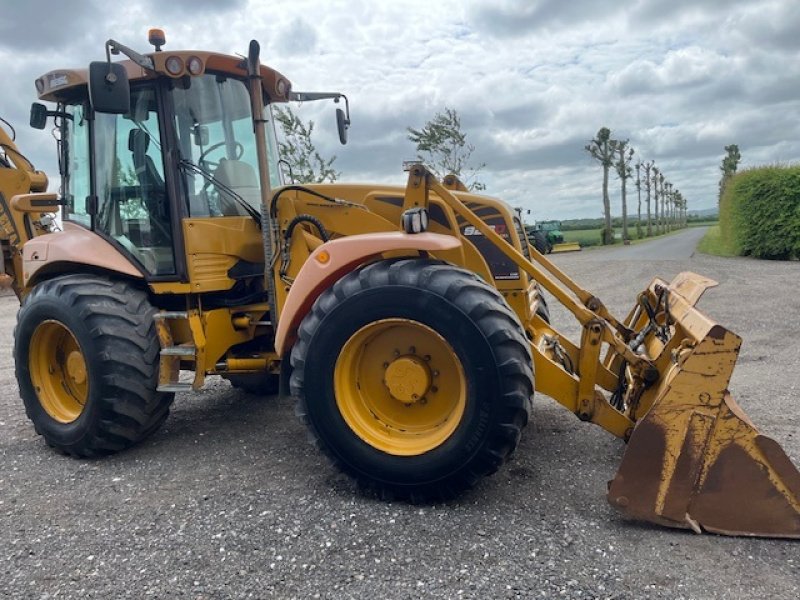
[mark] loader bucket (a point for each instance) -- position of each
(566, 247)
(694, 459)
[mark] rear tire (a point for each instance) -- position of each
(541, 243)
(87, 355)
(427, 450)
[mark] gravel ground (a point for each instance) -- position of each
(228, 499)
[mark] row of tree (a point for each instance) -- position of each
(443, 146)
(666, 206)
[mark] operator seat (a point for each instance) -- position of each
(153, 190)
(146, 172)
(240, 177)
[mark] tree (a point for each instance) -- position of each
(730, 163)
(639, 231)
(656, 198)
(670, 206)
(648, 167)
(680, 204)
(663, 217)
(600, 149)
(622, 165)
(306, 165)
(443, 146)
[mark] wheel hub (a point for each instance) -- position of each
(408, 379)
(76, 367)
(400, 386)
(59, 373)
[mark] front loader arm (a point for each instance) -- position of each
(694, 459)
(599, 326)
(22, 208)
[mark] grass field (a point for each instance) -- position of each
(585, 237)
(712, 243)
(591, 237)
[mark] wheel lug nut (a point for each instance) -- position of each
(412, 349)
(386, 365)
(423, 400)
(434, 389)
(427, 358)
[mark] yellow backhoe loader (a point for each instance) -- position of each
(408, 321)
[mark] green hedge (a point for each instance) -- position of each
(760, 213)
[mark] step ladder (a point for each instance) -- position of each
(172, 356)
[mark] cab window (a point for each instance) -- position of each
(133, 204)
(75, 168)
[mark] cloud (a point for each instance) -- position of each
(523, 17)
(40, 25)
(299, 38)
(532, 80)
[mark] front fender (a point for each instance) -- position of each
(332, 260)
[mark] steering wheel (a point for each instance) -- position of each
(238, 153)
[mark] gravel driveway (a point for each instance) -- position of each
(229, 500)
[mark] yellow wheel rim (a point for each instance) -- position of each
(58, 371)
(400, 387)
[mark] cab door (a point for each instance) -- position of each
(133, 203)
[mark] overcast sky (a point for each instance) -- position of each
(533, 80)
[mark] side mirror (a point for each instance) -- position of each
(109, 90)
(342, 124)
(200, 133)
(38, 116)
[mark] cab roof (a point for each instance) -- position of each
(69, 85)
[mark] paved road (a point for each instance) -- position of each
(228, 500)
(676, 246)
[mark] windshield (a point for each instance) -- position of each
(215, 134)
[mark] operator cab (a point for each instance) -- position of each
(183, 147)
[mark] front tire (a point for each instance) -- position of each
(87, 354)
(414, 377)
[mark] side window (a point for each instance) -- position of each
(76, 156)
(133, 205)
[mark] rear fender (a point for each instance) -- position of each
(332, 260)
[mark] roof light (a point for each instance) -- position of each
(157, 38)
(194, 65)
(174, 65)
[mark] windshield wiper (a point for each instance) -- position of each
(195, 168)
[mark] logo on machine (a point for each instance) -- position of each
(57, 81)
(474, 231)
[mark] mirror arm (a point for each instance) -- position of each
(335, 96)
(114, 47)
(346, 107)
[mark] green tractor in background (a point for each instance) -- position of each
(547, 237)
